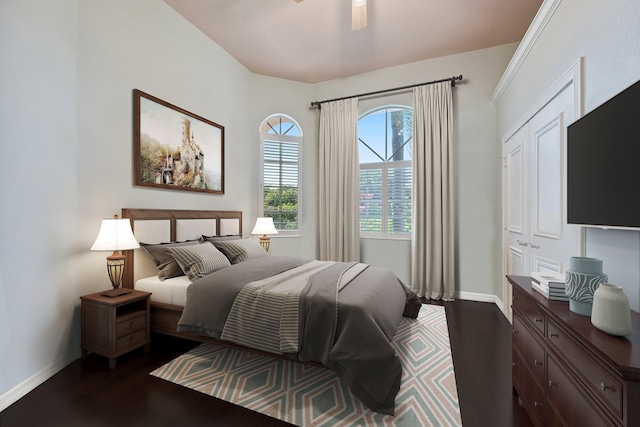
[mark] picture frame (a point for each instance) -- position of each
(174, 148)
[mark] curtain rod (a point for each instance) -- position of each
(451, 79)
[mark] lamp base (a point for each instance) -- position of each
(115, 292)
(265, 242)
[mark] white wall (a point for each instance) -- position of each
(477, 202)
(607, 35)
(66, 129)
(39, 287)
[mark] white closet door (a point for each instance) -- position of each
(517, 202)
(537, 237)
(551, 240)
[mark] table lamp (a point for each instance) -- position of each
(264, 226)
(115, 235)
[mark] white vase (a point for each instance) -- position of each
(611, 312)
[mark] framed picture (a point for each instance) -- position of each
(174, 148)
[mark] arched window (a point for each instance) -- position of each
(385, 136)
(280, 141)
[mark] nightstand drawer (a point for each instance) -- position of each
(602, 382)
(131, 324)
(131, 340)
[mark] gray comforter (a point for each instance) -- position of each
(351, 335)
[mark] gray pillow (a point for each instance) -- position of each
(214, 239)
(198, 261)
(241, 250)
(164, 260)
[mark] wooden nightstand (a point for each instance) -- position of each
(114, 326)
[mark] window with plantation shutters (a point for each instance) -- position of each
(385, 172)
(281, 140)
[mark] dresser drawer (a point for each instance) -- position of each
(531, 351)
(131, 340)
(528, 312)
(602, 382)
(131, 324)
(565, 401)
(529, 391)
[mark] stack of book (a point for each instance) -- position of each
(552, 286)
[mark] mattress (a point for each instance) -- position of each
(169, 291)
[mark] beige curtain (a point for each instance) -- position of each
(432, 243)
(339, 181)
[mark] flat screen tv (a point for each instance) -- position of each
(603, 164)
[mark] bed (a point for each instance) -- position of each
(336, 315)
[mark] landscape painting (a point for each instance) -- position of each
(176, 149)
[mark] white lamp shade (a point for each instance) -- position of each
(115, 235)
(264, 226)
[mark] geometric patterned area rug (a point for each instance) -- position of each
(311, 396)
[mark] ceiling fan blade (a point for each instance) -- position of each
(358, 14)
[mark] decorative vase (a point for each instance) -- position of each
(611, 313)
(582, 279)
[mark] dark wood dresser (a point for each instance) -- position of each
(565, 370)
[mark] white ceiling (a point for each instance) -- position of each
(312, 41)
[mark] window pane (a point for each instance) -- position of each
(371, 200)
(280, 125)
(399, 200)
(399, 128)
(371, 132)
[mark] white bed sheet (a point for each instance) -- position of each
(170, 291)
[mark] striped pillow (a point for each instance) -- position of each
(166, 263)
(241, 250)
(198, 261)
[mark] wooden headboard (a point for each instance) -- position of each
(171, 225)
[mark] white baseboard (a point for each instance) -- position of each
(19, 391)
(472, 296)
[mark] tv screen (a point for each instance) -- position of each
(603, 164)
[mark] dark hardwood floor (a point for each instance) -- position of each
(86, 393)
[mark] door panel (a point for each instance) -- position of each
(517, 218)
(547, 179)
(515, 261)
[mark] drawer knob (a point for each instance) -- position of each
(604, 387)
(552, 383)
(132, 338)
(537, 362)
(131, 323)
(536, 403)
(553, 335)
(538, 319)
